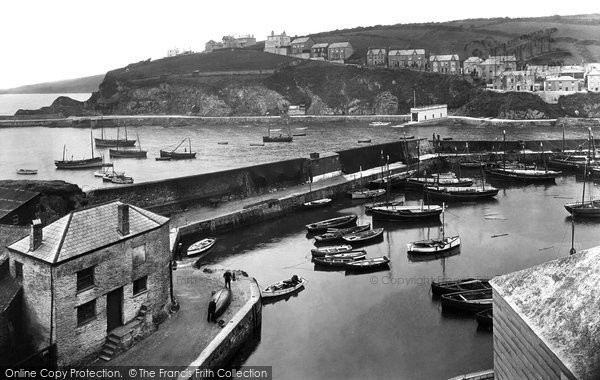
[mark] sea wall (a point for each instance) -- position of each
(369, 156)
(459, 146)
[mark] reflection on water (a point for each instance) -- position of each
(388, 319)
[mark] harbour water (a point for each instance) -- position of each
(38, 147)
(386, 324)
(11, 103)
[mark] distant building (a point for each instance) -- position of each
(295, 110)
(562, 83)
(593, 81)
(495, 65)
(472, 66)
(591, 66)
(175, 51)
(427, 113)
(519, 80)
(278, 44)
(230, 42)
(410, 59)
(18, 207)
(89, 274)
(319, 51)
(546, 321)
(246, 40)
(339, 51)
(577, 72)
(301, 47)
(445, 64)
(377, 57)
(541, 72)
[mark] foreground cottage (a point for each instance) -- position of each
(94, 280)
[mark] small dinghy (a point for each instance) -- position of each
(363, 237)
(358, 254)
(366, 193)
(472, 301)
(318, 203)
(453, 286)
(433, 246)
(333, 261)
(368, 264)
(284, 287)
(338, 222)
(27, 171)
(222, 298)
(201, 246)
(330, 250)
(334, 234)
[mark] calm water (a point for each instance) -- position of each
(385, 325)
(11, 103)
(38, 147)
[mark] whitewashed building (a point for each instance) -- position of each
(427, 113)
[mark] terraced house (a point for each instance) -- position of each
(445, 64)
(377, 57)
(319, 51)
(301, 47)
(339, 51)
(93, 281)
(410, 58)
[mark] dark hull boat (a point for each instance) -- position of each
(406, 213)
(395, 180)
(88, 163)
(368, 264)
(108, 143)
(338, 222)
(127, 153)
(485, 318)
(419, 183)
(283, 288)
(589, 209)
(460, 193)
(278, 139)
(470, 302)
(525, 175)
(177, 155)
(222, 298)
(334, 234)
(454, 286)
(364, 237)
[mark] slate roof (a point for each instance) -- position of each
(562, 77)
(594, 73)
(339, 45)
(376, 51)
(300, 40)
(86, 230)
(12, 199)
(320, 45)
(559, 301)
(474, 60)
(406, 51)
(9, 288)
(447, 57)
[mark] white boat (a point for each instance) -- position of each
(283, 287)
(330, 250)
(318, 203)
(27, 171)
(380, 124)
(366, 193)
(201, 246)
(435, 246)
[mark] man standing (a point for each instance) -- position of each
(212, 307)
(227, 276)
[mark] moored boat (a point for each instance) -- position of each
(406, 213)
(395, 180)
(334, 234)
(330, 250)
(278, 138)
(284, 287)
(341, 221)
(369, 207)
(222, 298)
(72, 164)
(420, 182)
(201, 246)
(433, 246)
(173, 155)
(366, 193)
(318, 203)
(333, 261)
(368, 264)
(470, 301)
(453, 286)
(363, 237)
(460, 193)
(27, 171)
(107, 143)
(525, 175)
(121, 179)
(379, 123)
(354, 254)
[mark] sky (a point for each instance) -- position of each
(43, 40)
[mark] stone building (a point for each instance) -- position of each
(230, 42)
(301, 47)
(472, 66)
(18, 207)
(577, 72)
(495, 65)
(278, 44)
(377, 57)
(428, 113)
(519, 80)
(543, 71)
(546, 320)
(339, 51)
(409, 59)
(319, 51)
(93, 280)
(445, 64)
(562, 83)
(593, 81)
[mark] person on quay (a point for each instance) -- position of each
(227, 276)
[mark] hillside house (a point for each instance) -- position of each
(541, 72)
(95, 275)
(319, 51)
(577, 72)
(562, 83)
(376, 57)
(339, 51)
(472, 66)
(495, 65)
(445, 64)
(278, 44)
(519, 80)
(410, 59)
(301, 47)
(230, 42)
(18, 207)
(593, 81)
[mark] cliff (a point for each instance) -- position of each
(63, 106)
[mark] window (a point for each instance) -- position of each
(86, 312)
(140, 285)
(18, 270)
(85, 279)
(138, 255)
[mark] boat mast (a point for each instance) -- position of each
(190, 141)
(92, 141)
(572, 250)
(563, 142)
(443, 219)
(504, 150)
(64, 149)
(139, 142)
(118, 138)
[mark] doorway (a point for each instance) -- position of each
(114, 309)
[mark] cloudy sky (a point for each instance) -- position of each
(43, 40)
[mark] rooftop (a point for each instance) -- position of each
(447, 57)
(559, 301)
(562, 77)
(473, 60)
(8, 290)
(300, 40)
(321, 45)
(12, 199)
(425, 108)
(86, 230)
(339, 45)
(572, 69)
(376, 50)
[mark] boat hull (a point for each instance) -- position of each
(587, 210)
(107, 143)
(419, 183)
(127, 153)
(341, 221)
(277, 289)
(331, 250)
(368, 264)
(277, 139)
(177, 155)
(365, 237)
(318, 203)
(406, 215)
(454, 286)
(201, 247)
(95, 162)
(446, 194)
(433, 247)
(485, 318)
(468, 302)
(222, 300)
(522, 175)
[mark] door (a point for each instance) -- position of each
(114, 309)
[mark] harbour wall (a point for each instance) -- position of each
(459, 146)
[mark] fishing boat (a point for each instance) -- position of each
(369, 208)
(459, 194)
(406, 213)
(366, 193)
(453, 286)
(318, 203)
(201, 246)
(368, 264)
(471, 164)
(284, 287)
(360, 253)
(334, 234)
(485, 318)
(421, 182)
(27, 171)
(173, 155)
(434, 246)
(330, 250)
(222, 299)
(163, 158)
(363, 237)
(333, 261)
(104, 173)
(341, 221)
(278, 138)
(107, 143)
(379, 123)
(395, 180)
(121, 179)
(86, 163)
(471, 301)
(567, 162)
(128, 153)
(299, 134)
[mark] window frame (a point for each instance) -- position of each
(81, 321)
(83, 287)
(18, 270)
(140, 290)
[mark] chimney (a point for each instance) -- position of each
(123, 226)
(35, 237)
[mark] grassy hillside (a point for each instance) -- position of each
(76, 85)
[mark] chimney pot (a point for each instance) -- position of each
(123, 219)
(36, 236)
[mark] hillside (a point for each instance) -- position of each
(76, 85)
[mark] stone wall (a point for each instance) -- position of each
(518, 352)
